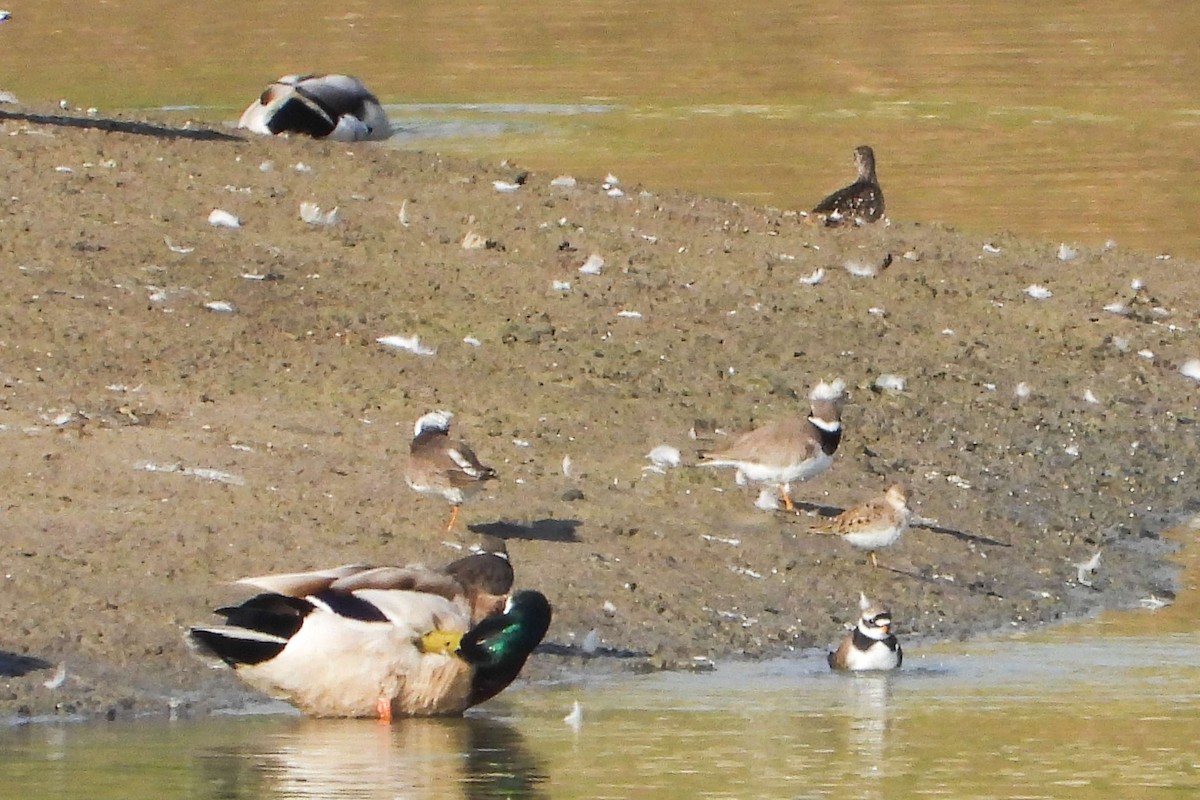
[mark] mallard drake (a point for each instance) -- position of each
(871, 644)
(443, 466)
(335, 107)
(794, 449)
(356, 641)
(858, 203)
(875, 524)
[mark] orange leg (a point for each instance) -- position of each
(453, 517)
(874, 563)
(786, 491)
(383, 707)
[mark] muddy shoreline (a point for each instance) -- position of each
(185, 404)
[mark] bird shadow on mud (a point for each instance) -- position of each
(542, 530)
(121, 126)
(14, 666)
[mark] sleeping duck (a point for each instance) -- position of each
(335, 107)
(380, 642)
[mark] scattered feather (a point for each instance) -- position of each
(665, 456)
(567, 467)
(302, 168)
(312, 214)
(1022, 391)
(471, 340)
(888, 382)
(1191, 369)
(560, 286)
(563, 182)
(813, 278)
(221, 306)
(877, 311)
(223, 219)
(1086, 569)
(1090, 397)
(608, 608)
(749, 573)
(575, 718)
(1117, 307)
(861, 269)
(58, 678)
(1146, 353)
(630, 314)
(960, 482)
(410, 343)
(1067, 253)
(710, 538)
(766, 500)
(1137, 284)
(174, 248)
(473, 241)
(266, 166)
(521, 443)
(990, 248)
(593, 265)
(204, 473)
(1038, 292)
(505, 186)
(403, 213)
(1153, 602)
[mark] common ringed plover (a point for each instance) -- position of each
(337, 107)
(794, 449)
(875, 524)
(871, 644)
(439, 465)
(860, 202)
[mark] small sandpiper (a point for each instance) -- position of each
(871, 644)
(876, 524)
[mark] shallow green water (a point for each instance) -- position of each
(1090, 713)
(1071, 121)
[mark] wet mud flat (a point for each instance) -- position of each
(184, 404)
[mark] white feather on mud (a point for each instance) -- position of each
(220, 218)
(313, 215)
(221, 306)
(204, 473)
(1086, 569)
(593, 265)
(505, 187)
(767, 500)
(1038, 292)
(887, 382)
(662, 458)
(174, 248)
(814, 277)
(409, 344)
(1191, 369)
(563, 182)
(1066, 253)
(860, 268)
